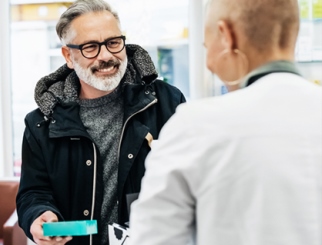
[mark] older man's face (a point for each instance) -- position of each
(105, 71)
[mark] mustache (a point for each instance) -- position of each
(103, 64)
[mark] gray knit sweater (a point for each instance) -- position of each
(103, 119)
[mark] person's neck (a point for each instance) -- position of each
(256, 60)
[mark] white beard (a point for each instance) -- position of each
(108, 83)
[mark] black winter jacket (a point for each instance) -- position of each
(61, 165)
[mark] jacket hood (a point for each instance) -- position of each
(63, 84)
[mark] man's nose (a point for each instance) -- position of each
(104, 53)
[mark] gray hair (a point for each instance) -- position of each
(77, 9)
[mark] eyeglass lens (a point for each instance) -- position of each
(114, 45)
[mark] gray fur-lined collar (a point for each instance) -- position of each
(63, 84)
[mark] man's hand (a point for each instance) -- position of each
(38, 234)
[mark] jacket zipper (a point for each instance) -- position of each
(119, 148)
(127, 120)
(94, 189)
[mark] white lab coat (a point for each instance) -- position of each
(241, 169)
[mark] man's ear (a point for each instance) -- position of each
(227, 35)
(66, 53)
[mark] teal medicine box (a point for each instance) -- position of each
(70, 228)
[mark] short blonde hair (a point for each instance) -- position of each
(265, 23)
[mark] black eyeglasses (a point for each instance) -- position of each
(91, 50)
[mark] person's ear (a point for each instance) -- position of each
(226, 35)
(66, 53)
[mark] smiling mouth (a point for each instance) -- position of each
(109, 69)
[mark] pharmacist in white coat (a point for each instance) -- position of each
(244, 168)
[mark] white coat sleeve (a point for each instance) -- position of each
(164, 212)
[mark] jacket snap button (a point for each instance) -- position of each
(147, 92)
(86, 212)
(88, 162)
(53, 121)
(130, 156)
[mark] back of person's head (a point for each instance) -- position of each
(261, 30)
(77, 9)
(265, 23)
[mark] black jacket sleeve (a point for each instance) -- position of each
(34, 195)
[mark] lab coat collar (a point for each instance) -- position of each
(274, 66)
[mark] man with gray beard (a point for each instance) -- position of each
(84, 146)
